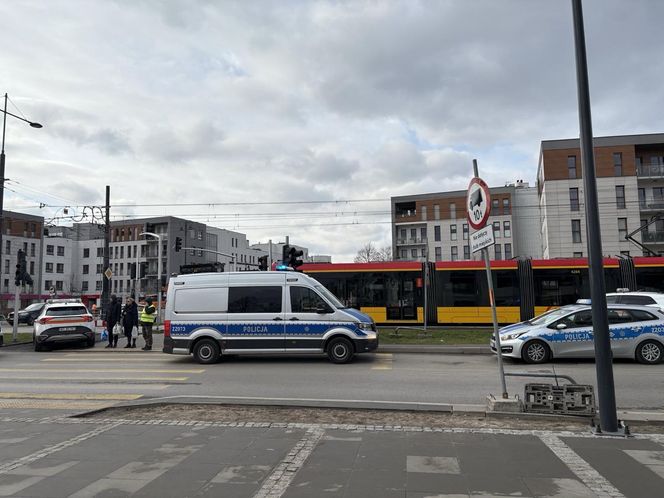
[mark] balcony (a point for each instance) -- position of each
(657, 205)
(418, 241)
(656, 237)
(650, 171)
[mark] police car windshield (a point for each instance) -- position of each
(549, 316)
(329, 296)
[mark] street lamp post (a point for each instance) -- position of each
(2, 169)
(158, 237)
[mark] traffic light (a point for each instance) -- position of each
(143, 269)
(22, 275)
(284, 253)
(131, 270)
(293, 254)
(262, 263)
(178, 244)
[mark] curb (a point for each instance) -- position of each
(434, 349)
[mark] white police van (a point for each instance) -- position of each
(211, 314)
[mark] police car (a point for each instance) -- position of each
(63, 320)
(636, 332)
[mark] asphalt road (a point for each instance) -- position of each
(78, 379)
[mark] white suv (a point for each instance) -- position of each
(63, 320)
(654, 299)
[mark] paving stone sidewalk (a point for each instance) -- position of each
(59, 457)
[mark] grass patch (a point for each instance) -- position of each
(20, 337)
(447, 337)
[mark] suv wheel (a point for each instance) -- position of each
(206, 351)
(536, 352)
(340, 350)
(649, 352)
(38, 346)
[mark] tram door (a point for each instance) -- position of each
(401, 293)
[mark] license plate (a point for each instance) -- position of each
(67, 329)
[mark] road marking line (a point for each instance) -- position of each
(383, 361)
(76, 396)
(86, 386)
(49, 450)
(69, 377)
(587, 474)
(102, 359)
(102, 370)
(277, 483)
(54, 405)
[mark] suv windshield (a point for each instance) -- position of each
(67, 311)
(34, 307)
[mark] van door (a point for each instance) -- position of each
(306, 319)
(255, 318)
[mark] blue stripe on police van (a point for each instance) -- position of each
(264, 328)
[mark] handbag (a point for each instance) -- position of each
(134, 332)
(117, 330)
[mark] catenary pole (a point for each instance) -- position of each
(106, 282)
(603, 356)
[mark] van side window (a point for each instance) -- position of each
(305, 300)
(254, 299)
(211, 300)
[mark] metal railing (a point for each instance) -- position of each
(650, 170)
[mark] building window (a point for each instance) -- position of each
(571, 166)
(642, 198)
(423, 252)
(507, 229)
(439, 253)
(86, 269)
(32, 249)
(617, 163)
(620, 196)
(424, 214)
(49, 268)
(658, 193)
(6, 287)
(496, 229)
(436, 233)
(498, 251)
(423, 235)
(455, 253)
(121, 282)
(453, 232)
(99, 269)
(413, 234)
(61, 251)
(98, 285)
(574, 199)
(494, 206)
(508, 251)
(436, 211)
(577, 255)
(622, 228)
(466, 252)
(413, 253)
(465, 231)
(48, 284)
(121, 252)
(86, 252)
(58, 285)
(122, 268)
(32, 267)
(84, 285)
(506, 206)
(100, 252)
(60, 268)
(404, 254)
(576, 231)
(6, 266)
(453, 210)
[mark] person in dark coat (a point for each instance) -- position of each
(112, 317)
(129, 321)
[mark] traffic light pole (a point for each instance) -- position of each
(17, 306)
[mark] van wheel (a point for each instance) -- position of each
(340, 350)
(536, 352)
(206, 351)
(649, 352)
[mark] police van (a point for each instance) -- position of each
(213, 314)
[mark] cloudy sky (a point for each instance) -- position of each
(227, 111)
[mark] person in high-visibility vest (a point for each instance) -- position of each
(147, 319)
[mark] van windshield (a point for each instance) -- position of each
(329, 296)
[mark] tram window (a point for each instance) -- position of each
(506, 287)
(560, 287)
(460, 288)
(650, 279)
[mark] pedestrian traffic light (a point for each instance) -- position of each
(178, 244)
(131, 269)
(262, 263)
(284, 253)
(143, 269)
(293, 254)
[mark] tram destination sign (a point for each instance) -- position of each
(481, 239)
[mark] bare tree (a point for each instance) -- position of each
(370, 253)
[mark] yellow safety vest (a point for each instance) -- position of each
(148, 317)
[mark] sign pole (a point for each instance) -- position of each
(489, 279)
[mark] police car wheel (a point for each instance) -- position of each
(536, 352)
(340, 350)
(206, 351)
(649, 352)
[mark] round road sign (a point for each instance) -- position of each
(478, 203)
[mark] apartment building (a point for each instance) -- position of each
(630, 188)
(433, 227)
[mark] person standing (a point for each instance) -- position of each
(112, 317)
(129, 321)
(147, 318)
